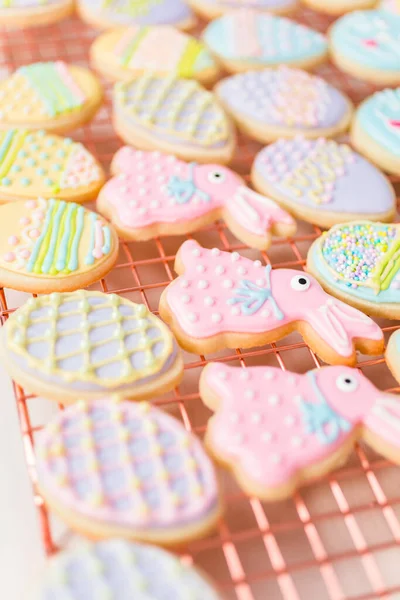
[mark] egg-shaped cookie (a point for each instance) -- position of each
(323, 182)
(54, 96)
(36, 164)
(338, 7)
(245, 39)
(121, 54)
(117, 565)
(86, 344)
(123, 13)
(284, 103)
(31, 13)
(210, 9)
(174, 115)
(129, 471)
(366, 44)
(375, 130)
(359, 263)
(53, 245)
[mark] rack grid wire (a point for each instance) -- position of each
(336, 538)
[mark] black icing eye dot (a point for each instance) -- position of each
(300, 283)
(303, 281)
(347, 380)
(216, 176)
(346, 383)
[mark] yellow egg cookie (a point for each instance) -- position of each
(37, 164)
(53, 245)
(49, 95)
(120, 54)
(31, 13)
(174, 115)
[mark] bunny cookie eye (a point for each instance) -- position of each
(346, 383)
(216, 176)
(300, 283)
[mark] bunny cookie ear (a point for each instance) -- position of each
(343, 327)
(253, 217)
(187, 255)
(382, 425)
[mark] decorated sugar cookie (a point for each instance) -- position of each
(389, 5)
(338, 7)
(173, 115)
(210, 9)
(359, 263)
(277, 430)
(245, 39)
(49, 95)
(284, 102)
(392, 355)
(323, 182)
(157, 194)
(87, 344)
(53, 245)
(121, 54)
(225, 300)
(31, 13)
(110, 566)
(38, 164)
(366, 44)
(104, 14)
(127, 470)
(375, 130)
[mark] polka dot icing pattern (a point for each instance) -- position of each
(178, 109)
(370, 38)
(288, 422)
(140, 12)
(324, 174)
(283, 97)
(363, 254)
(119, 570)
(40, 90)
(218, 292)
(158, 188)
(262, 39)
(41, 164)
(126, 465)
(53, 238)
(379, 117)
(89, 341)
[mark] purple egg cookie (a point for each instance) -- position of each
(284, 102)
(323, 182)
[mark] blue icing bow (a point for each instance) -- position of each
(320, 419)
(183, 190)
(252, 297)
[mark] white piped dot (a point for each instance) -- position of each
(276, 459)
(220, 270)
(249, 394)
(265, 313)
(245, 375)
(185, 283)
(235, 311)
(209, 301)
(227, 283)
(266, 436)
(235, 256)
(296, 441)
(241, 270)
(256, 418)
(273, 400)
(200, 268)
(192, 317)
(291, 379)
(216, 317)
(196, 252)
(269, 374)
(289, 420)
(298, 399)
(203, 284)
(260, 282)
(186, 299)
(257, 264)
(215, 251)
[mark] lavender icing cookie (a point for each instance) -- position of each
(86, 344)
(323, 182)
(284, 102)
(209, 9)
(119, 570)
(105, 14)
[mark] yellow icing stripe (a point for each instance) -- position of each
(189, 57)
(58, 209)
(71, 239)
(16, 145)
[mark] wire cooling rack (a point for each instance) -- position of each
(337, 537)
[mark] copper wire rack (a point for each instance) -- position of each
(336, 538)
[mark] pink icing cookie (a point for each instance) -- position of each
(157, 194)
(225, 300)
(276, 429)
(120, 469)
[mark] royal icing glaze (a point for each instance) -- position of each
(137, 49)
(219, 292)
(362, 259)
(89, 341)
(23, 4)
(120, 570)
(283, 97)
(271, 425)
(268, 5)
(370, 38)
(174, 109)
(154, 188)
(379, 118)
(126, 465)
(262, 39)
(35, 163)
(325, 175)
(140, 12)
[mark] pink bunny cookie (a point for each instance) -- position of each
(277, 430)
(157, 194)
(225, 300)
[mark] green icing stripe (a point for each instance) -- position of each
(73, 261)
(65, 236)
(133, 46)
(31, 266)
(53, 238)
(89, 260)
(5, 143)
(107, 240)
